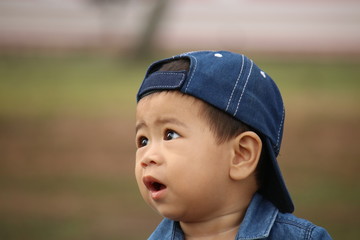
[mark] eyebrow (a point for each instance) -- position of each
(139, 126)
(161, 121)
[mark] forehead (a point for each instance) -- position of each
(173, 97)
(168, 102)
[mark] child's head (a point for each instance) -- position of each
(204, 119)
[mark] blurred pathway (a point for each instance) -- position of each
(279, 25)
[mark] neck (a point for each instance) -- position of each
(222, 227)
(224, 223)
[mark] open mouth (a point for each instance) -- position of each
(153, 185)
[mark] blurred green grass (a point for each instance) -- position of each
(45, 85)
(66, 145)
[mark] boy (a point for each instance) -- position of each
(208, 129)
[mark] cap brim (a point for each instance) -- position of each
(274, 187)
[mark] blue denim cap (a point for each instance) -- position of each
(234, 84)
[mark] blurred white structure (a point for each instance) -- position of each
(326, 26)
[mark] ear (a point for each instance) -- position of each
(247, 148)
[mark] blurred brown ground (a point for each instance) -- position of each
(78, 171)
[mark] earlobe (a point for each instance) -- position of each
(247, 148)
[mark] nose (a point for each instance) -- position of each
(151, 157)
(146, 163)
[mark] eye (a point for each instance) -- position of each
(170, 134)
(142, 142)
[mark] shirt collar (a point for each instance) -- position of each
(259, 219)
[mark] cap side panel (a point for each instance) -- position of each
(211, 78)
(236, 83)
(243, 90)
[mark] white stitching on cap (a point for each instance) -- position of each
(242, 93)
(193, 72)
(188, 53)
(169, 73)
(278, 135)
(237, 80)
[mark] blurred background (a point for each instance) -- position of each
(69, 72)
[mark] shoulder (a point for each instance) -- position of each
(264, 221)
(287, 225)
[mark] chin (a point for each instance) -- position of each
(173, 214)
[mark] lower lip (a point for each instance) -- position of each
(158, 194)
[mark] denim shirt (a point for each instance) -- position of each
(262, 221)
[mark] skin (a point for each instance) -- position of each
(208, 185)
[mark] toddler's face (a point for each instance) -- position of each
(180, 169)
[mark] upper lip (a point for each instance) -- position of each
(153, 184)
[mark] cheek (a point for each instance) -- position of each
(200, 169)
(211, 168)
(138, 168)
(141, 186)
(138, 175)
